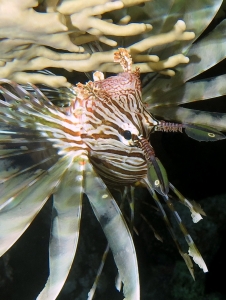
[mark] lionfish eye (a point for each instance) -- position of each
(127, 135)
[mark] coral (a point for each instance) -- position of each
(37, 36)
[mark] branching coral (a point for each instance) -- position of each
(29, 39)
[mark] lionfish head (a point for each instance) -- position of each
(114, 122)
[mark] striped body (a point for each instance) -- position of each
(112, 106)
(101, 140)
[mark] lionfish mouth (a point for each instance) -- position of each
(81, 150)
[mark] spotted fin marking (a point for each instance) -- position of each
(157, 176)
(203, 133)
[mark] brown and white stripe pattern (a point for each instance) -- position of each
(112, 106)
(100, 140)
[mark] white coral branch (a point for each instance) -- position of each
(178, 33)
(26, 34)
(87, 20)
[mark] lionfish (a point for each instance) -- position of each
(100, 141)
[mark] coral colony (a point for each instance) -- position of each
(27, 35)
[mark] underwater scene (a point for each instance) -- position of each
(112, 150)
